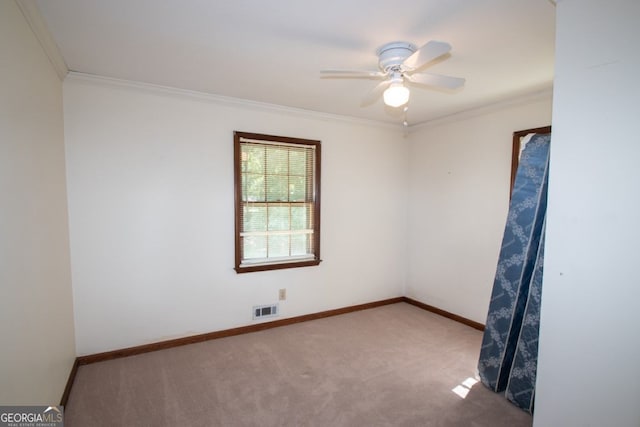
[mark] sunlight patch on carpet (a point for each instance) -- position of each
(464, 387)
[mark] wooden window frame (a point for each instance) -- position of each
(282, 264)
(515, 152)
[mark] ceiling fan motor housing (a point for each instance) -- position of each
(391, 55)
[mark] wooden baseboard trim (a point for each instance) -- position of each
(146, 348)
(436, 310)
(67, 388)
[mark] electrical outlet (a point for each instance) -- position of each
(282, 294)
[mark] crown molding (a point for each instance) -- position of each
(74, 76)
(521, 99)
(544, 94)
(32, 15)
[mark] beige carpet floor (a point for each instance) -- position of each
(395, 365)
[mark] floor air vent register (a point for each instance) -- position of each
(262, 311)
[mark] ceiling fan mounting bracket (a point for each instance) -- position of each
(391, 55)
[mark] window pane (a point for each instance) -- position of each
(277, 188)
(253, 186)
(255, 218)
(299, 218)
(278, 246)
(279, 218)
(297, 162)
(297, 188)
(277, 161)
(299, 244)
(253, 159)
(255, 247)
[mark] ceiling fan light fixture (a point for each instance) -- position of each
(396, 95)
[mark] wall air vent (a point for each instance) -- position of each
(262, 311)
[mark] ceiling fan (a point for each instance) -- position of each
(400, 64)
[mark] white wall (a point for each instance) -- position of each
(36, 312)
(150, 183)
(589, 364)
(458, 201)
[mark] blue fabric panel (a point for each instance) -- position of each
(522, 379)
(515, 265)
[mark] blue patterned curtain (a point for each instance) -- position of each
(509, 352)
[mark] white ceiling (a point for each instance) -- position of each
(272, 51)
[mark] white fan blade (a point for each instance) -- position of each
(426, 53)
(375, 93)
(341, 73)
(437, 80)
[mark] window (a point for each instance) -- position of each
(517, 150)
(277, 202)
